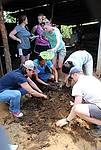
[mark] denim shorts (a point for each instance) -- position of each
(61, 53)
(60, 56)
(95, 111)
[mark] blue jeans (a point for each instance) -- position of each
(12, 97)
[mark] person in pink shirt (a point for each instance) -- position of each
(41, 43)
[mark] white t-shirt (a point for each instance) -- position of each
(89, 88)
(79, 58)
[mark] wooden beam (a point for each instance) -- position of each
(5, 41)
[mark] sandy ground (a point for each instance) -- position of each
(37, 130)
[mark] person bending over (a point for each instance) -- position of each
(80, 58)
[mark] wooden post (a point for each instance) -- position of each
(5, 41)
(98, 69)
(52, 10)
(1, 67)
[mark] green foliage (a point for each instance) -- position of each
(66, 31)
(8, 18)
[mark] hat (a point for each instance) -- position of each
(29, 65)
(75, 69)
(47, 55)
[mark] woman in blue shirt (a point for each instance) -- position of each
(21, 34)
(46, 69)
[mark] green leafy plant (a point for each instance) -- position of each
(66, 31)
(8, 18)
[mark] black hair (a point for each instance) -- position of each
(23, 69)
(42, 23)
(67, 66)
(41, 14)
(80, 46)
(40, 58)
(22, 18)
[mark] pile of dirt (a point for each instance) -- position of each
(37, 130)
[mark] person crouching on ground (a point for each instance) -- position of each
(87, 89)
(46, 69)
(80, 58)
(17, 83)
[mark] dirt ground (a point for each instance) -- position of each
(37, 130)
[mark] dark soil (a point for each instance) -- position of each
(38, 113)
(40, 116)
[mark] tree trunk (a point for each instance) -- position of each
(1, 68)
(98, 69)
(5, 41)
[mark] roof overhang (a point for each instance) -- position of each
(63, 11)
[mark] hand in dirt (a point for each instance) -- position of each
(52, 86)
(47, 84)
(71, 103)
(56, 83)
(45, 96)
(61, 123)
(28, 95)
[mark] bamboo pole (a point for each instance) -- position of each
(5, 41)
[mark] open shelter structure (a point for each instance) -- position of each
(61, 12)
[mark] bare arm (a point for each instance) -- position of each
(29, 89)
(33, 29)
(40, 81)
(67, 80)
(57, 43)
(55, 73)
(12, 35)
(78, 100)
(33, 85)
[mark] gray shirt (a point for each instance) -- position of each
(23, 34)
